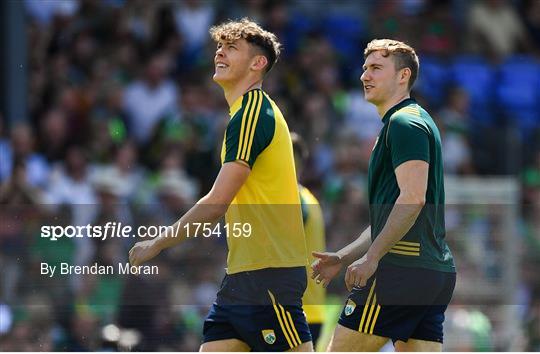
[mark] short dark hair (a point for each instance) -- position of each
(403, 55)
(254, 34)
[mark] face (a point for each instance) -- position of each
(380, 78)
(232, 61)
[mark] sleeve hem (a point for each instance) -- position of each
(403, 159)
(243, 162)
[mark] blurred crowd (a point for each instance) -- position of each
(125, 124)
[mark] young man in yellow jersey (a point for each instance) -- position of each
(259, 305)
(312, 216)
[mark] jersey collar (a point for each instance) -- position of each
(236, 106)
(238, 103)
(397, 107)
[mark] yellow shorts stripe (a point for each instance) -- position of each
(366, 306)
(371, 309)
(404, 253)
(279, 320)
(243, 124)
(289, 331)
(407, 243)
(375, 319)
(254, 126)
(294, 328)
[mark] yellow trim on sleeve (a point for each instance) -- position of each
(254, 127)
(249, 124)
(241, 136)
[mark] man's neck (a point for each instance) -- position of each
(232, 94)
(385, 107)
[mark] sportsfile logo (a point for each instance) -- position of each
(110, 229)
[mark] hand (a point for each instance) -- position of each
(326, 267)
(142, 252)
(360, 271)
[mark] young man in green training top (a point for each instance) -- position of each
(400, 271)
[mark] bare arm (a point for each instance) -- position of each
(357, 248)
(412, 177)
(328, 264)
(208, 209)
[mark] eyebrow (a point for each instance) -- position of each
(364, 67)
(224, 42)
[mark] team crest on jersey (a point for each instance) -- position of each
(349, 307)
(269, 336)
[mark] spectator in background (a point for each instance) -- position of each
(165, 35)
(438, 31)
(76, 102)
(193, 19)
(54, 135)
(22, 149)
(389, 20)
(172, 173)
(495, 29)
(44, 12)
(457, 154)
(151, 99)
(70, 185)
(361, 117)
(16, 190)
(125, 172)
(531, 17)
(136, 19)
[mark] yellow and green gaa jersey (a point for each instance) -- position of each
(314, 297)
(269, 201)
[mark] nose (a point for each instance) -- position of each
(363, 77)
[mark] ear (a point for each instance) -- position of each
(259, 62)
(405, 75)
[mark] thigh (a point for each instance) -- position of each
(304, 347)
(348, 340)
(417, 345)
(225, 345)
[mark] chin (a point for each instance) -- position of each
(218, 79)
